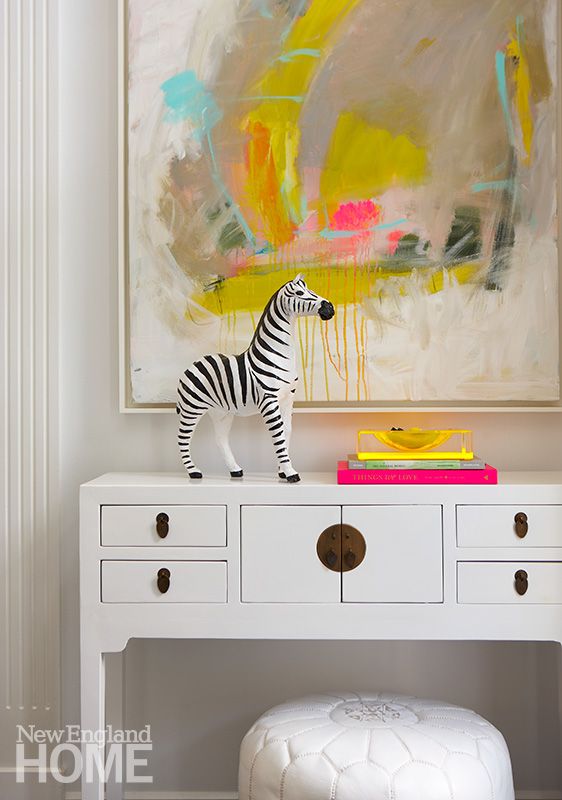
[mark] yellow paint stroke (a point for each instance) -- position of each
(364, 355)
(312, 351)
(363, 161)
(325, 349)
(303, 360)
(251, 289)
(356, 332)
(522, 80)
(282, 90)
(424, 44)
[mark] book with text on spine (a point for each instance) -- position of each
(354, 463)
(420, 476)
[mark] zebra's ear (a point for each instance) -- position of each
(298, 278)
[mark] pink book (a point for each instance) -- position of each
(409, 476)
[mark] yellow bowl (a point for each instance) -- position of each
(413, 439)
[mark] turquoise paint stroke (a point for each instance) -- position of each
(519, 29)
(328, 233)
(264, 9)
(187, 99)
(484, 186)
(306, 52)
(502, 89)
(298, 12)
(223, 188)
(295, 98)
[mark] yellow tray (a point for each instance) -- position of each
(416, 443)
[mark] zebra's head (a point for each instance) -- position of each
(299, 301)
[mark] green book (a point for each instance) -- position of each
(415, 463)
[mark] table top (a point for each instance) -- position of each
(308, 480)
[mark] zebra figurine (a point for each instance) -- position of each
(260, 380)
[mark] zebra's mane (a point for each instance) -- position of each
(264, 312)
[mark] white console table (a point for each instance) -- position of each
(221, 558)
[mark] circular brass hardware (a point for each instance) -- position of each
(162, 525)
(163, 580)
(354, 548)
(521, 524)
(341, 548)
(521, 581)
(328, 548)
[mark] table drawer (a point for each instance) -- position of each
(172, 526)
(509, 526)
(138, 582)
(495, 582)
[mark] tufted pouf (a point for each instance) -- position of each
(367, 746)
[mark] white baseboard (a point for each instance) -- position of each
(147, 794)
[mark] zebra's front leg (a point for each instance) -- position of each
(275, 419)
(222, 423)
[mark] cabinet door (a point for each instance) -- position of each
(404, 558)
(279, 559)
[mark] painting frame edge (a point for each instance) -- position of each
(129, 406)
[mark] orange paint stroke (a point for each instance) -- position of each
(263, 186)
(325, 352)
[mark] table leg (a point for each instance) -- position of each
(92, 715)
(115, 714)
(559, 657)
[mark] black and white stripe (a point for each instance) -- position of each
(260, 380)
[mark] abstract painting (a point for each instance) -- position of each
(401, 155)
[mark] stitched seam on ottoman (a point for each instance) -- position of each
(354, 764)
(464, 733)
(485, 767)
(426, 764)
(299, 733)
(293, 761)
(417, 730)
(251, 780)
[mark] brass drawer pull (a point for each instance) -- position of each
(162, 525)
(341, 548)
(521, 582)
(521, 524)
(328, 547)
(354, 547)
(163, 580)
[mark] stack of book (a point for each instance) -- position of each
(409, 467)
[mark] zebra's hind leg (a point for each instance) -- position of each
(188, 423)
(222, 423)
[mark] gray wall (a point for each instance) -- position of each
(225, 685)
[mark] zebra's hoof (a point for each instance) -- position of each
(239, 473)
(294, 478)
(195, 474)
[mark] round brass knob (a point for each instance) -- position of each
(521, 524)
(521, 581)
(163, 580)
(162, 525)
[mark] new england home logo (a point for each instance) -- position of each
(84, 753)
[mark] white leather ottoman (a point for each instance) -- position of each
(368, 746)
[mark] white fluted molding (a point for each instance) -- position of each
(29, 585)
